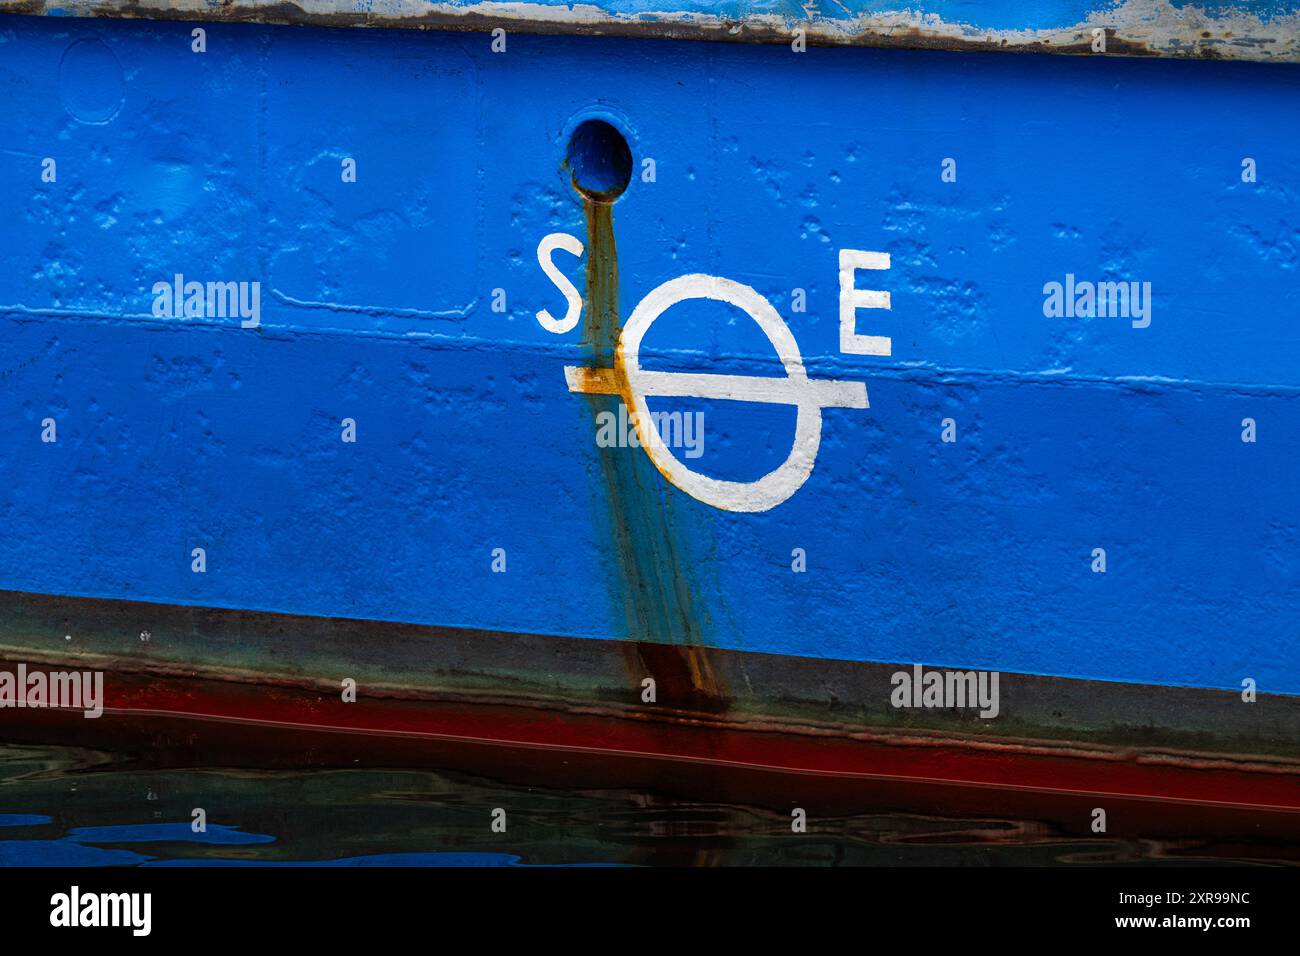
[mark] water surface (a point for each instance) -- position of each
(62, 806)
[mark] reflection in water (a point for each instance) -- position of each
(63, 806)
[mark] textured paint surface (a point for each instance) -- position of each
(1265, 30)
(1073, 434)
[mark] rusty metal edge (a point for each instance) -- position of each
(1135, 28)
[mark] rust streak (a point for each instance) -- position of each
(654, 585)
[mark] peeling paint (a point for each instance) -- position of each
(1241, 31)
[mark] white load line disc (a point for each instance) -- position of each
(808, 396)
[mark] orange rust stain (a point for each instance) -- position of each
(598, 381)
(655, 586)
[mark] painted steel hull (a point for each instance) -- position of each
(489, 574)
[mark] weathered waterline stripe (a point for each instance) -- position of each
(1244, 31)
(824, 721)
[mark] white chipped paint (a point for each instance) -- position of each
(1156, 26)
(808, 396)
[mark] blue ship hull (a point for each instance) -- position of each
(376, 305)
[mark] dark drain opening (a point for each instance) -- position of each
(599, 160)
